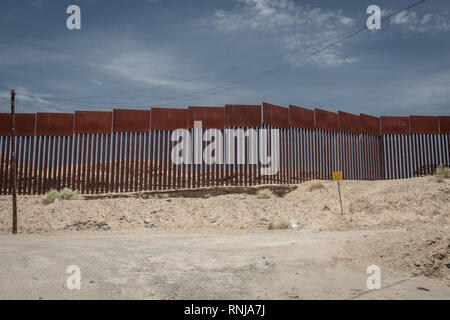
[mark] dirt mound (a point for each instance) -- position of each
(419, 251)
(367, 205)
(436, 262)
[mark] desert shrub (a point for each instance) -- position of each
(65, 194)
(264, 194)
(51, 196)
(284, 224)
(442, 173)
(68, 194)
(315, 186)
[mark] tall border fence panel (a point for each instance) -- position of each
(52, 130)
(202, 146)
(301, 121)
(327, 127)
(91, 141)
(241, 121)
(276, 117)
(444, 139)
(206, 126)
(163, 122)
(395, 131)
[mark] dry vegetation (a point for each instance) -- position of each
(367, 205)
(442, 173)
(315, 186)
(264, 194)
(64, 194)
(283, 224)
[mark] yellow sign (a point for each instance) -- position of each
(337, 175)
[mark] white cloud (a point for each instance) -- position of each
(29, 101)
(426, 18)
(347, 21)
(405, 17)
(299, 27)
(95, 81)
(28, 96)
(141, 67)
(413, 22)
(148, 68)
(109, 72)
(416, 94)
(37, 3)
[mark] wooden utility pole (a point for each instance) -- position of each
(13, 160)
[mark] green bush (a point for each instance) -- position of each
(264, 194)
(51, 196)
(65, 194)
(68, 194)
(442, 173)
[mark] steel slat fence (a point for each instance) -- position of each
(132, 150)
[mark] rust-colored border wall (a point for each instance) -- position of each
(349, 122)
(25, 124)
(424, 124)
(131, 150)
(54, 124)
(5, 124)
(395, 125)
(369, 124)
(444, 124)
(275, 115)
(125, 120)
(211, 117)
(99, 122)
(326, 120)
(169, 118)
(242, 115)
(301, 118)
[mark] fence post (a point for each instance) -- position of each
(13, 160)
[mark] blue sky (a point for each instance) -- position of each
(126, 47)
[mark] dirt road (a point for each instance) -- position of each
(280, 264)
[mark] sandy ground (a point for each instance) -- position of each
(168, 247)
(233, 265)
(367, 205)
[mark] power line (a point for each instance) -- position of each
(262, 74)
(246, 80)
(200, 77)
(229, 86)
(287, 65)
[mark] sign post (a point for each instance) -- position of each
(337, 176)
